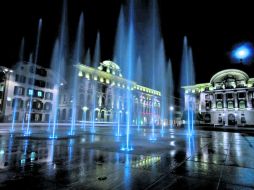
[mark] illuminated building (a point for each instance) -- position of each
(228, 99)
(102, 93)
(26, 88)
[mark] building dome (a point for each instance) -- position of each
(230, 78)
(110, 67)
(234, 73)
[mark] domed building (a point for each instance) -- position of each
(228, 99)
(104, 96)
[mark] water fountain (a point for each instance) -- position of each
(119, 56)
(138, 79)
(170, 93)
(95, 63)
(21, 57)
(187, 78)
(77, 56)
(128, 61)
(58, 62)
(154, 44)
(27, 132)
(161, 85)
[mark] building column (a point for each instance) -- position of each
(224, 101)
(236, 100)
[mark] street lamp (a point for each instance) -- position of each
(242, 52)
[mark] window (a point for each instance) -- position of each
(207, 118)
(49, 85)
(243, 120)
(219, 105)
(40, 94)
(41, 72)
(241, 95)
(17, 103)
(39, 83)
(20, 78)
(36, 117)
(30, 92)
(219, 119)
(230, 104)
(17, 78)
(219, 96)
(218, 86)
(31, 81)
(49, 96)
(230, 96)
(240, 84)
(38, 105)
(48, 106)
(32, 69)
(208, 105)
(28, 103)
(242, 104)
(19, 90)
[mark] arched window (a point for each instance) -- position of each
(219, 105)
(102, 114)
(230, 104)
(242, 104)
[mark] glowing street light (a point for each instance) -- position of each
(171, 108)
(242, 52)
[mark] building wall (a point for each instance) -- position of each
(227, 100)
(18, 86)
(109, 103)
(224, 112)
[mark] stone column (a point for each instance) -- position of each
(224, 101)
(236, 100)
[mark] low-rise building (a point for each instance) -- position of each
(26, 93)
(103, 95)
(228, 99)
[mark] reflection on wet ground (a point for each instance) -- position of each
(213, 160)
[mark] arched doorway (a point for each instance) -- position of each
(231, 119)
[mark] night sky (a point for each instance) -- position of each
(212, 30)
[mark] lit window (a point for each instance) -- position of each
(30, 92)
(39, 94)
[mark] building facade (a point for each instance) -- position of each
(103, 95)
(26, 93)
(228, 99)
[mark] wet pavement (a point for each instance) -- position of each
(207, 160)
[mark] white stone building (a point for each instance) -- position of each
(228, 99)
(103, 94)
(26, 88)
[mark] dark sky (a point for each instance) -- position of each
(212, 30)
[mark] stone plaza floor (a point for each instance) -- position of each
(206, 160)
